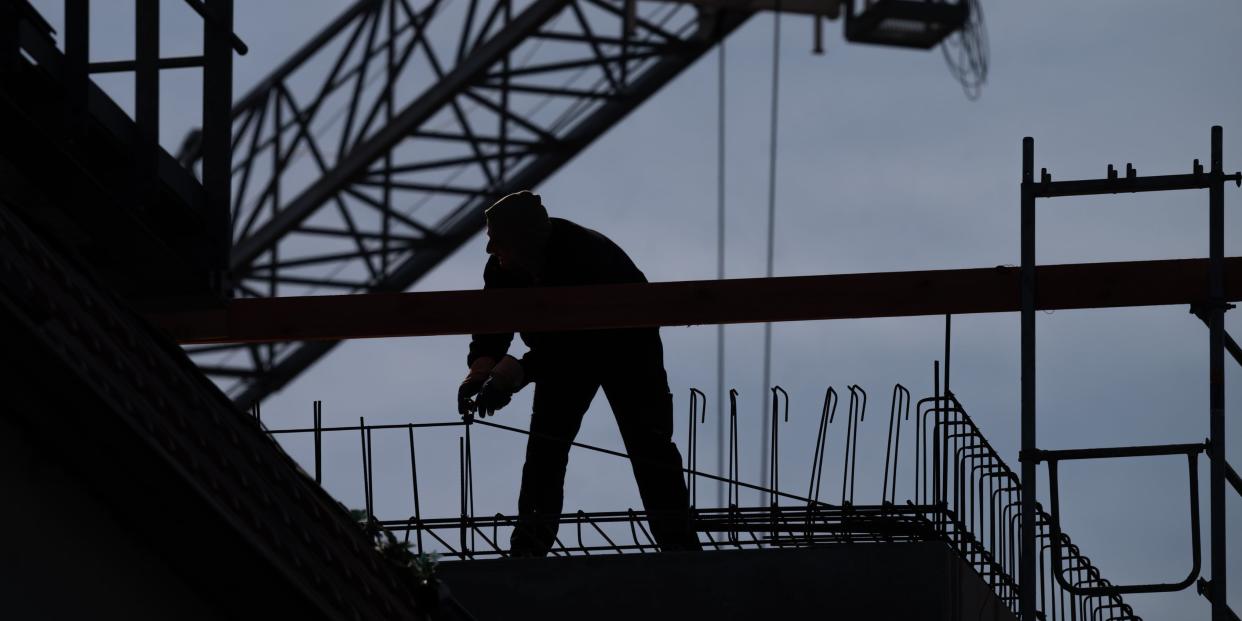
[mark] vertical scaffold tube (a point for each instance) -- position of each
(1216, 372)
(1026, 566)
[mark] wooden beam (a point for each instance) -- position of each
(749, 300)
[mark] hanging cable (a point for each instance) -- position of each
(966, 52)
(720, 262)
(767, 327)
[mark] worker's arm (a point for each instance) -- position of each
(493, 346)
(486, 350)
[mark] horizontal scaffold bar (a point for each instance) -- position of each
(746, 300)
(1126, 185)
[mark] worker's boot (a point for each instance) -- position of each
(532, 537)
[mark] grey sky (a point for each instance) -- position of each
(884, 165)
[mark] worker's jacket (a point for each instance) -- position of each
(576, 255)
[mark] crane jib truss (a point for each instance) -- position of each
(366, 158)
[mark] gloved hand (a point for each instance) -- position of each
(479, 372)
(506, 378)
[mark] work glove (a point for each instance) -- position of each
(479, 372)
(506, 378)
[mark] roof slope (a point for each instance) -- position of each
(168, 451)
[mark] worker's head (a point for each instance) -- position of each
(517, 231)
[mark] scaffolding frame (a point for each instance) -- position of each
(216, 62)
(1211, 310)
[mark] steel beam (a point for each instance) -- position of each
(798, 298)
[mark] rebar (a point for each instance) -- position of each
(962, 493)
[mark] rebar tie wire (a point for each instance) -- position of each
(691, 471)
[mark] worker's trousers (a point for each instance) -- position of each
(638, 392)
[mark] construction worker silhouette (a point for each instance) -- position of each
(528, 249)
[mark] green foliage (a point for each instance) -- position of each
(422, 566)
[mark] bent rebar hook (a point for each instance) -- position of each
(901, 398)
(774, 455)
(696, 398)
(858, 412)
(733, 466)
(826, 416)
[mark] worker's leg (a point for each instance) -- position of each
(559, 404)
(643, 406)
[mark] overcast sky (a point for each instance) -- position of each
(883, 165)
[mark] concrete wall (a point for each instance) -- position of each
(840, 582)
